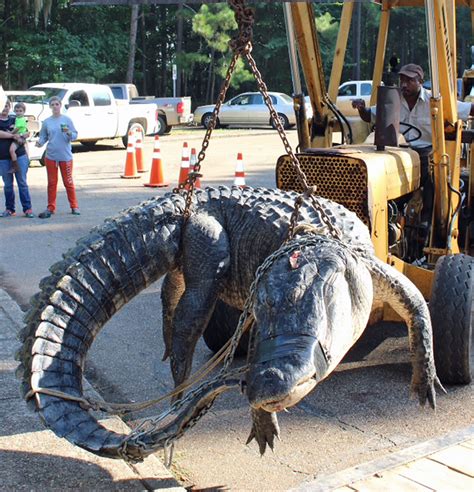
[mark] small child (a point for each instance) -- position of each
(21, 129)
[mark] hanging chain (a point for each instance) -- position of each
(308, 191)
(152, 435)
(240, 44)
(189, 184)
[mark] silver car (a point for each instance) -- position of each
(249, 109)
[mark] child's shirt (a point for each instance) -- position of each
(21, 125)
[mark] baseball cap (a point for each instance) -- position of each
(411, 70)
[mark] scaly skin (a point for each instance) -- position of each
(229, 234)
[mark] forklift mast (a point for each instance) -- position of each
(440, 18)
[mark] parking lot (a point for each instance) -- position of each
(360, 413)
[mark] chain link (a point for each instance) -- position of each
(240, 44)
(150, 435)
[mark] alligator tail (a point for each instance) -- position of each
(103, 272)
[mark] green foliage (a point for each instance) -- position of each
(216, 24)
(92, 43)
(59, 56)
(213, 23)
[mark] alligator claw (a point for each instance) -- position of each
(264, 429)
(427, 391)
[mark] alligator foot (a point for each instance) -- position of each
(425, 389)
(264, 429)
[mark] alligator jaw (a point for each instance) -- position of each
(289, 400)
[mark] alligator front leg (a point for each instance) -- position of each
(205, 262)
(394, 288)
(264, 429)
(171, 292)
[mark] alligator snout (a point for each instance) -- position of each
(273, 390)
(285, 370)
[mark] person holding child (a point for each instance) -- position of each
(59, 131)
(7, 134)
(20, 129)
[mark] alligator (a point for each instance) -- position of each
(312, 302)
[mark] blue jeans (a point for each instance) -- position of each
(23, 164)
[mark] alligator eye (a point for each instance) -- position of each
(270, 301)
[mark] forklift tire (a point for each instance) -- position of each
(451, 318)
(221, 327)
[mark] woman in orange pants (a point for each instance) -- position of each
(58, 130)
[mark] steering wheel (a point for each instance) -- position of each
(409, 128)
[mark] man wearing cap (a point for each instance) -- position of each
(415, 106)
(415, 110)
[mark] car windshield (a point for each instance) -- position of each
(286, 98)
(24, 98)
(49, 92)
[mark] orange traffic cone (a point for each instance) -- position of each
(157, 179)
(139, 153)
(239, 176)
(192, 162)
(130, 171)
(184, 170)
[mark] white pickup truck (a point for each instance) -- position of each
(94, 110)
(171, 111)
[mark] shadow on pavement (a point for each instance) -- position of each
(19, 471)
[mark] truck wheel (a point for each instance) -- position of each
(206, 121)
(168, 129)
(161, 127)
(133, 126)
(221, 327)
(451, 316)
(283, 120)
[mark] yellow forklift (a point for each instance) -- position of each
(379, 178)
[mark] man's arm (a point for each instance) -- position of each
(364, 112)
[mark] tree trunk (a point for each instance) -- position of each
(143, 39)
(5, 41)
(133, 44)
(179, 50)
(357, 28)
(163, 79)
(210, 75)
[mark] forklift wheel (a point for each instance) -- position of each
(222, 326)
(451, 317)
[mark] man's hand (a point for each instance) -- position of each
(358, 104)
(364, 113)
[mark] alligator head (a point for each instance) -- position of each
(311, 306)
